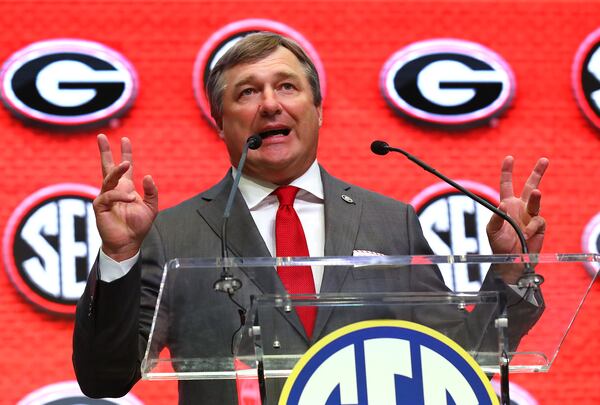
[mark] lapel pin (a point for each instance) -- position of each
(347, 199)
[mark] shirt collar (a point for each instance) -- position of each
(255, 191)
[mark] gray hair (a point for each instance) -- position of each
(252, 48)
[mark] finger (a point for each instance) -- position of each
(537, 226)
(496, 221)
(114, 175)
(107, 199)
(534, 203)
(127, 155)
(106, 158)
(150, 193)
(535, 178)
(506, 181)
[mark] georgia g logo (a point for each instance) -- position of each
(49, 245)
(387, 362)
(586, 77)
(68, 82)
(226, 37)
(447, 82)
(590, 242)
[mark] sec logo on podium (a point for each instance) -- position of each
(387, 362)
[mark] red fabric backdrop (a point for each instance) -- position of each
(178, 147)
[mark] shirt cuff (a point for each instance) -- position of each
(111, 270)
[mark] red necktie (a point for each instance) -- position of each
(290, 241)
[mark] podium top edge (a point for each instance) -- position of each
(383, 260)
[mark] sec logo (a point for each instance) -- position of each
(68, 393)
(453, 224)
(447, 82)
(68, 82)
(590, 242)
(50, 243)
(386, 362)
(586, 77)
(214, 48)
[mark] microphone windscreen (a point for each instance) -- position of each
(380, 147)
(254, 142)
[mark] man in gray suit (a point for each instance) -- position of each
(264, 85)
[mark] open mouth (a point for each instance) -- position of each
(273, 132)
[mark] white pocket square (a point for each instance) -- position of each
(361, 252)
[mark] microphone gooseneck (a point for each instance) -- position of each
(227, 283)
(529, 279)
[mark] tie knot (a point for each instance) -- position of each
(286, 194)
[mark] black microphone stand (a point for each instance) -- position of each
(227, 283)
(529, 279)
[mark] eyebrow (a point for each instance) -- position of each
(279, 76)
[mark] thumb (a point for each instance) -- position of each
(496, 221)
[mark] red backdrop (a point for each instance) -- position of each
(178, 147)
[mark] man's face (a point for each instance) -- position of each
(271, 97)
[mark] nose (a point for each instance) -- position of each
(269, 104)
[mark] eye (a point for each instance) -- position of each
(248, 91)
(287, 86)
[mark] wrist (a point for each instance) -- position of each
(120, 254)
(510, 273)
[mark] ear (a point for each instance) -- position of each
(219, 126)
(320, 114)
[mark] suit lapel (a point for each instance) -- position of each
(244, 239)
(342, 218)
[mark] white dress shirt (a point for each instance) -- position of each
(309, 205)
(257, 194)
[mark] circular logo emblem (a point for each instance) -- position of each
(68, 82)
(50, 243)
(453, 224)
(586, 77)
(68, 393)
(590, 242)
(386, 362)
(226, 37)
(447, 82)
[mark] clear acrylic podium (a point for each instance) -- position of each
(264, 340)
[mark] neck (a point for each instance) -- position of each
(277, 177)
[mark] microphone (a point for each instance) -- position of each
(227, 283)
(529, 279)
(380, 148)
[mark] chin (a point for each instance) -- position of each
(274, 157)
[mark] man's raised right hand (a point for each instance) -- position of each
(123, 216)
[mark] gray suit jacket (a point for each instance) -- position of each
(113, 319)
